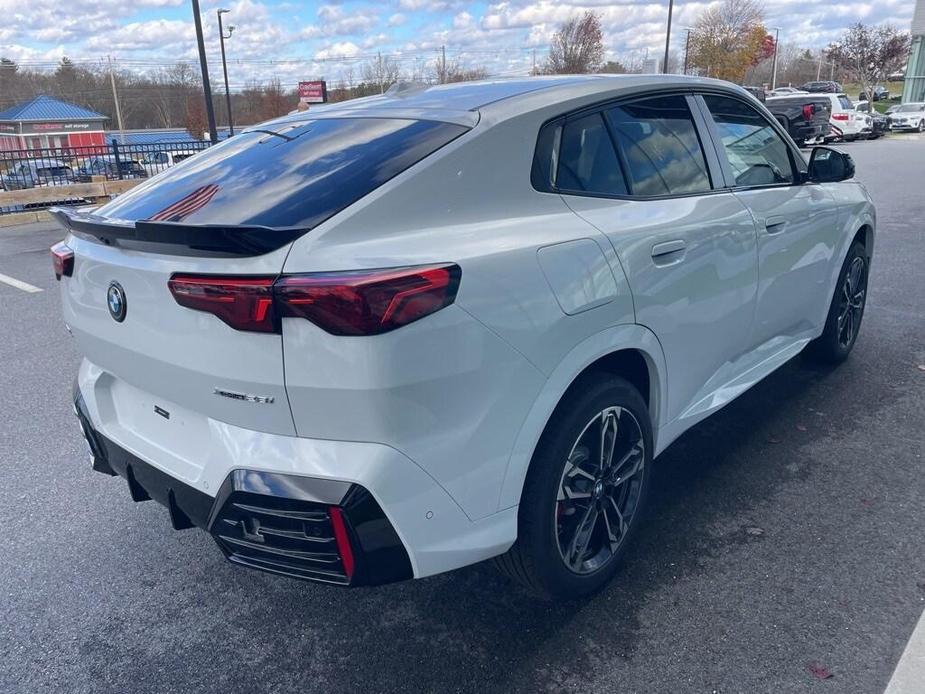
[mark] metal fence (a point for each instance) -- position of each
(62, 166)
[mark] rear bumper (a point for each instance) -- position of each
(316, 530)
(809, 131)
(200, 462)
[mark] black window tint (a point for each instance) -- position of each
(587, 161)
(660, 146)
(545, 157)
(757, 154)
(291, 174)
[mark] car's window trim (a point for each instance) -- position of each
(799, 169)
(715, 172)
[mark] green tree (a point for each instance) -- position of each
(868, 54)
(613, 67)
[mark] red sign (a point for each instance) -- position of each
(313, 92)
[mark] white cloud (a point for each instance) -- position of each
(343, 49)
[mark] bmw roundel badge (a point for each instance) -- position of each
(115, 299)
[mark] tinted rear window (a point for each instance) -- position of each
(54, 171)
(587, 160)
(293, 174)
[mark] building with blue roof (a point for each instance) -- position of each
(48, 122)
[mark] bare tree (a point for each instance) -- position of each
(729, 38)
(454, 72)
(195, 119)
(577, 46)
(868, 54)
(381, 73)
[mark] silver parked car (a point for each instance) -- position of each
(909, 116)
(38, 173)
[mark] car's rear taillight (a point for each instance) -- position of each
(840, 116)
(62, 258)
(808, 111)
(361, 302)
(244, 303)
(367, 302)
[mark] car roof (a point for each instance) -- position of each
(463, 102)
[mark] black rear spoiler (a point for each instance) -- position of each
(176, 238)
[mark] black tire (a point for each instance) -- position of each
(536, 560)
(922, 126)
(834, 345)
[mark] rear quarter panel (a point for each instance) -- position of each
(456, 401)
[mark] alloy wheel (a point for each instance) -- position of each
(599, 490)
(851, 307)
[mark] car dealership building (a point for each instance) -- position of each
(914, 85)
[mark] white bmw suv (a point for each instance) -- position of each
(395, 336)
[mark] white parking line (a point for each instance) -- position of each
(19, 284)
(909, 675)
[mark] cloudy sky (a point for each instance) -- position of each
(304, 40)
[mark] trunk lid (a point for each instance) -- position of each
(164, 358)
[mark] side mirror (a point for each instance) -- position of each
(827, 165)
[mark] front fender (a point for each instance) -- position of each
(856, 212)
(616, 338)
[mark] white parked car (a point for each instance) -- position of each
(786, 91)
(909, 116)
(416, 331)
(155, 162)
(847, 123)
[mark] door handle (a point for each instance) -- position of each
(669, 252)
(775, 225)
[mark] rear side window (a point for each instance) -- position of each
(587, 160)
(660, 146)
(757, 154)
(291, 174)
(845, 102)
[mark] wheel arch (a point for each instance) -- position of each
(630, 351)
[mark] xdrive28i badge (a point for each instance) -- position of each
(115, 299)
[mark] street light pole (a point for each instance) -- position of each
(222, 37)
(687, 50)
(204, 66)
(774, 64)
(667, 37)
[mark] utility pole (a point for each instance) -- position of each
(533, 71)
(204, 67)
(667, 37)
(819, 67)
(379, 71)
(774, 64)
(443, 64)
(222, 37)
(687, 49)
(115, 98)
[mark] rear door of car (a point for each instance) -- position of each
(796, 221)
(687, 247)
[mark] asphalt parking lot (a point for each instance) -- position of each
(783, 550)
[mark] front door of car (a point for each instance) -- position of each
(687, 248)
(796, 221)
